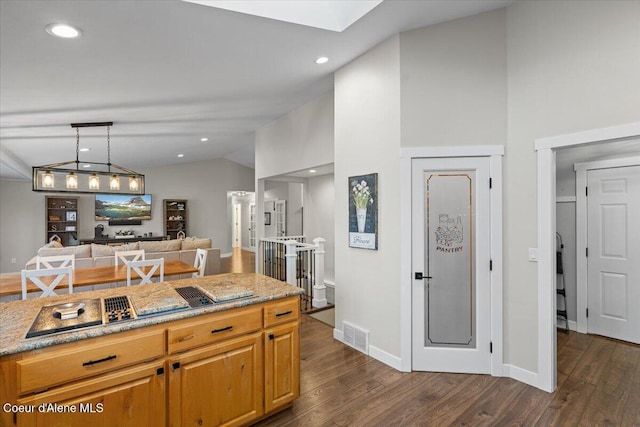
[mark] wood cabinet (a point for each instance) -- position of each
(227, 368)
(175, 217)
(281, 365)
(61, 219)
(131, 397)
(217, 385)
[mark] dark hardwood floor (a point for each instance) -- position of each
(598, 385)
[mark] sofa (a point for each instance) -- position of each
(94, 255)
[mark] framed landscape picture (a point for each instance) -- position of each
(363, 211)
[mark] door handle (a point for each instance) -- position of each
(419, 276)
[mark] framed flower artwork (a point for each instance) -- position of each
(363, 211)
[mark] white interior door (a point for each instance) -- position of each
(252, 226)
(613, 257)
(237, 225)
(281, 218)
(451, 250)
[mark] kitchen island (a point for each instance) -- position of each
(230, 362)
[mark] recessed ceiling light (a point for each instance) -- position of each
(85, 149)
(63, 30)
(312, 171)
(86, 166)
(180, 155)
(322, 60)
(204, 139)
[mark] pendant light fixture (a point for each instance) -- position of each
(106, 177)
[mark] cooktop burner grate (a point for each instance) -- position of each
(116, 303)
(194, 296)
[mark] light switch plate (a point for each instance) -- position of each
(533, 254)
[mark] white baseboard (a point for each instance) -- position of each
(521, 375)
(386, 358)
(376, 353)
(227, 255)
(573, 325)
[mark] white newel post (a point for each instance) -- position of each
(319, 289)
(291, 257)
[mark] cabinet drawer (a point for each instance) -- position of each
(281, 311)
(213, 328)
(98, 355)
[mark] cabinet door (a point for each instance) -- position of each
(217, 385)
(282, 365)
(133, 397)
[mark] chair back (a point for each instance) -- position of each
(200, 262)
(138, 268)
(126, 256)
(47, 280)
(56, 261)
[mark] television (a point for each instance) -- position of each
(120, 207)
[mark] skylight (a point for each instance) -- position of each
(325, 14)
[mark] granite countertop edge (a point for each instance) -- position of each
(16, 317)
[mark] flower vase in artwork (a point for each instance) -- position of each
(361, 215)
(361, 198)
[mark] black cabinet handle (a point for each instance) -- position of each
(271, 336)
(160, 371)
(175, 365)
(284, 314)
(93, 362)
(228, 328)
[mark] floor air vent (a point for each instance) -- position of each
(356, 337)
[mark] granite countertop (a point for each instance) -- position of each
(16, 317)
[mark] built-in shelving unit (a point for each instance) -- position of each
(61, 219)
(175, 217)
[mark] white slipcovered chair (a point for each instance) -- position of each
(126, 256)
(55, 261)
(138, 266)
(200, 262)
(56, 275)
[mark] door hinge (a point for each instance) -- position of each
(586, 191)
(490, 183)
(587, 312)
(586, 252)
(490, 347)
(490, 265)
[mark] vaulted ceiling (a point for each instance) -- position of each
(169, 73)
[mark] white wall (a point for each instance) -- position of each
(454, 88)
(22, 217)
(295, 209)
(299, 140)
(319, 217)
(204, 184)
(367, 140)
(572, 66)
(540, 69)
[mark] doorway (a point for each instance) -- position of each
(451, 262)
(463, 158)
(546, 377)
